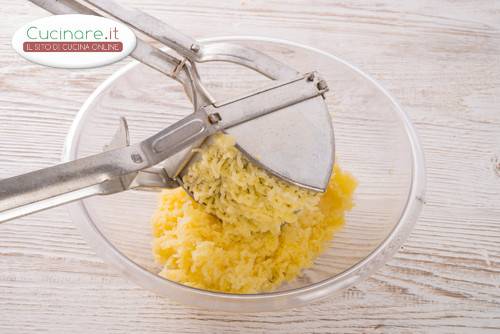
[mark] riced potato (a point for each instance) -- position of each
(252, 231)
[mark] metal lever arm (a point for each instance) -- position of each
(103, 173)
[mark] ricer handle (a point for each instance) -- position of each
(104, 173)
(43, 189)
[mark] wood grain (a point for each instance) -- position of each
(441, 60)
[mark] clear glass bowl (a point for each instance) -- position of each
(375, 141)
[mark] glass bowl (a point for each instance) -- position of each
(375, 141)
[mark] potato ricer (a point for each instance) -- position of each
(284, 127)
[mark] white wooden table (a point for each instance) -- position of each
(441, 59)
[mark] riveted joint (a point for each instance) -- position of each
(214, 118)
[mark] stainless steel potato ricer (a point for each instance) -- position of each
(284, 127)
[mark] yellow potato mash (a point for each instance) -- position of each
(252, 231)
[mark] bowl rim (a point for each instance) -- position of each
(298, 296)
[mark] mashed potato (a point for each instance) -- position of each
(253, 231)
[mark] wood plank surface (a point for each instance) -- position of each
(440, 59)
